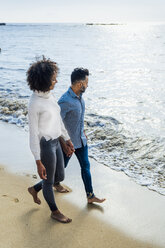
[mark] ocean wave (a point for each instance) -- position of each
(12, 69)
(141, 158)
(14, 111)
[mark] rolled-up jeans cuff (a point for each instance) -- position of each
(90, 195)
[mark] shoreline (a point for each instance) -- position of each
(150, 176)
(132, 215)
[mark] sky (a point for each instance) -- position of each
(82, 11)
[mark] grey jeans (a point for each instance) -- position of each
(52, 159)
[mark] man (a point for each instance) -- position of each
(72, 112)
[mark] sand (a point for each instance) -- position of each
(132, 216)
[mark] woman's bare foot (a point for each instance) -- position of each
(34, 193)
(57, 215)
(60, 188)
(95, 199)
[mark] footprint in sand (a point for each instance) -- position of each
(16, 200)
(33, 176)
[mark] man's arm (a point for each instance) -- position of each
(66, 145)
(64, 106)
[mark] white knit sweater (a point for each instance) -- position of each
(44, 120)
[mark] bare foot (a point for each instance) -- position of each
(95, 199)
(60, 188)
(57, 215)
(34, 193)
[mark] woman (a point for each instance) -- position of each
(45, 128)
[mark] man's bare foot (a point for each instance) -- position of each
(57, 215)
(34, 193)
(60, 188)
(95, 199)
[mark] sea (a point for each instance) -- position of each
(125, 99)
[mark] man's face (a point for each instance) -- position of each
(83, 84)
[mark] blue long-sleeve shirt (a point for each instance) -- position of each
(72, 113)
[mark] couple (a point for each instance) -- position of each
(52, 126)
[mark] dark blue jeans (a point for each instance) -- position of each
(82, 156)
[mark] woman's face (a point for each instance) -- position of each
(53, 81)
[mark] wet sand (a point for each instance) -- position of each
(131, 217)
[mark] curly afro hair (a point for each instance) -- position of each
(40, 73)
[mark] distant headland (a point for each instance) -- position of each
(103, 24)
(2, 23)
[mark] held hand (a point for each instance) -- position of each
(70, 145)
(67, 150)
(67, 147)
(41, 170)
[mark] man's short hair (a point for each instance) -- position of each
(40, 73)
(79, 74)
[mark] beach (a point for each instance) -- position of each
(131, 216)
(124, 117)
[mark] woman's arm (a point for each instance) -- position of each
(33, 117)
